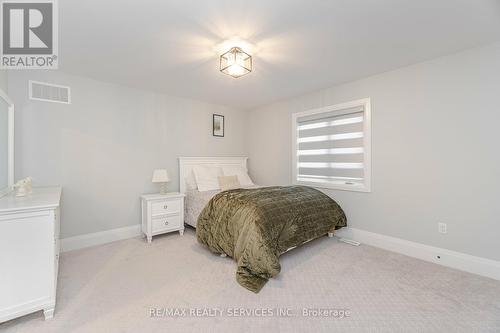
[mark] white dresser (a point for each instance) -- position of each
(29, 252)
(162, 213)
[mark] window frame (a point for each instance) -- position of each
(338, 108)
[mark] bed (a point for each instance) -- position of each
(254, 225)
(195, 200)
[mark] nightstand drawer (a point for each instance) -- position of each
(165, 223)
(166, 207)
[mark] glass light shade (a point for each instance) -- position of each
(236, 62)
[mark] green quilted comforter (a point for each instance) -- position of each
(255, 226)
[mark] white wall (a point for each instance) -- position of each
(435, 153)
(3, 132)
(104, 146)
(3, 80)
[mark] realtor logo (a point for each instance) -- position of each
(29, 34)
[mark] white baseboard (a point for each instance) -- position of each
(97, 238)
(465, 262)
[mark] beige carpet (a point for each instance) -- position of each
(112, 288)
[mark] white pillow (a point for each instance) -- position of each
(190, 181)
(240, 172)
(207, 177)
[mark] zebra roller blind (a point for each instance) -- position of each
(332, 146)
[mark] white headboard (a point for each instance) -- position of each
(186, 165)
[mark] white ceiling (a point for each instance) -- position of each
(170, 46)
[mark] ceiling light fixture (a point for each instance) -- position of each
(236, 62)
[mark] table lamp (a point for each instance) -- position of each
(161, 176)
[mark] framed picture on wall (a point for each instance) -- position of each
(218, 125)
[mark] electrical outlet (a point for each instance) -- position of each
(442, 229)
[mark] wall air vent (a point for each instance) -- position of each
(48, 92)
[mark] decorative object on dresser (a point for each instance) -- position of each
(23, 187)
(161, 176)
(29, 253)
(162, 213)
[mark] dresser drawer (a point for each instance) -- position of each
(166, 207)
(165, 223)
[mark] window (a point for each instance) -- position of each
(331, 146)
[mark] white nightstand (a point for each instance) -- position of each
(162, 213)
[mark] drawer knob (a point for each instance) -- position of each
(166, 222)
(165, 207)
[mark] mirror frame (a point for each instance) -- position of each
(10, 144)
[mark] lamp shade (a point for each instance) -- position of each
(160, 176)
(236, 62)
